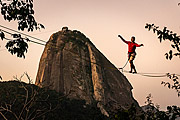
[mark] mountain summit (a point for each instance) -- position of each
(72, 65)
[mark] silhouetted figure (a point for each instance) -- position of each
(0, 78)
(131, 51)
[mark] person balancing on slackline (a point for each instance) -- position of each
(131, 52)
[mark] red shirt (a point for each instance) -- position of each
(131, 46)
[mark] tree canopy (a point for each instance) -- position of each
(166, 34)
(21, 11)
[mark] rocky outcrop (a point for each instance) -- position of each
(72, 65)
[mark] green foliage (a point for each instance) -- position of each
(174, 111)
(17, 46)
(22, 11)
(166, 34)
(175, 85)
(2, 35)
(152, 112)
(19, 100)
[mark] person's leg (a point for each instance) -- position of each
(129, 59)
(131, 66)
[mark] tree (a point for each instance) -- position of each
(22, 12)
(166, 34)
(173, 84)
(152, 112)
(26, 101)
(21, 101)
(172, 111)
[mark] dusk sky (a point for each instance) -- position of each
(101, 21)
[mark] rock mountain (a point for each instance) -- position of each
(72, 65)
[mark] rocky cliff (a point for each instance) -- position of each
(72, 65)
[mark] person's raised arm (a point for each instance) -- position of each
(122, 39)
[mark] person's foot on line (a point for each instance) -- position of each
(134, 72)
(130, 71)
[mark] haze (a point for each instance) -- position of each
(101, 21)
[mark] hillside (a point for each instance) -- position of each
(19, 100)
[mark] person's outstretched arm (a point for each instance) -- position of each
(139, 45)
(123, 39)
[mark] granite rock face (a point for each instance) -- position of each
(72, 65)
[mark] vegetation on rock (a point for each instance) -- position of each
(21, 101)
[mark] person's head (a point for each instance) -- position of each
(132, 39)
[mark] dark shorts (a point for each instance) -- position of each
(131, 56)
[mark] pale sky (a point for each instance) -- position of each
(101, 21)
